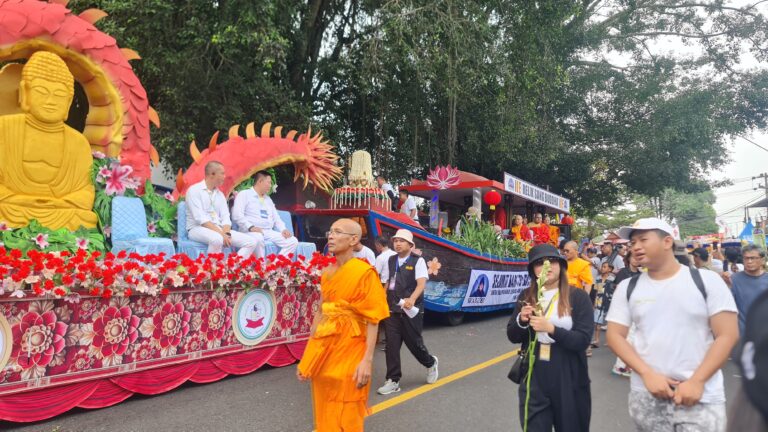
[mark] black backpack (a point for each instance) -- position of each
(695, 274)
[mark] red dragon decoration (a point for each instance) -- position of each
(312, 158)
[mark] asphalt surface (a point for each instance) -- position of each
(272, 400)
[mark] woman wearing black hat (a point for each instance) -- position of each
(559, 388)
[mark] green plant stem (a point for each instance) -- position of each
(529, 373)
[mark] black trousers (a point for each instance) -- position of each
(398, 329)
(556, 400)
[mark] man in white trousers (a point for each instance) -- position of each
(255, 214)
(208, 215)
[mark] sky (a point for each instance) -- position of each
(747, 160)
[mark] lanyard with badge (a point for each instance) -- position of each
(263, 209)
(545, 349)
(392, 278)
(212, 211)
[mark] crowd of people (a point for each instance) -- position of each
(673, 318)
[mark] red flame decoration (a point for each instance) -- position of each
(443, 177)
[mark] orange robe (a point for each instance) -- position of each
(352, 297)
(521, 233)
(554, 236)
(540, 233)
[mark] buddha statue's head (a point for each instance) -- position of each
(46, 88)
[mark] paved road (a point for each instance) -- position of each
(273, 401)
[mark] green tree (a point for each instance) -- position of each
(582, 96)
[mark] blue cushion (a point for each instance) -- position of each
(129, 229)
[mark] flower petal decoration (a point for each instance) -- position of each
(443, 177)
(120, 180)
(41, 240)
(82, 243)
(4, 227)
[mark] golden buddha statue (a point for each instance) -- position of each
(45, 164)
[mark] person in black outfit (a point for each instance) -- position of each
(560, 386)
(407, 276)
(632, 267)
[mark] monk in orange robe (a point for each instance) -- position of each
(540, 231)
(338, 359)
(554, 233)
(519, 231)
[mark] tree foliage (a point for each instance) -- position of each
(582, 96)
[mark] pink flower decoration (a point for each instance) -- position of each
(5, 227)
(115, 330)
(216, 319)
(98, 155)
(120, 180)
(171, 324)
(151, 227)
(107, 231)
(41, 240)
(169, 197)
(104, 173)
(443, 177)
(82, 243)
(37, 339)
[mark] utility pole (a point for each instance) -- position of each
(761, 224)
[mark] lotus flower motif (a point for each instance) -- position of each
(443, 177)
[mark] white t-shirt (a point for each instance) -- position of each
(408, 205)
(382, 264)
(671, 318)
(717, 266)
(565, 322)
(367, 254)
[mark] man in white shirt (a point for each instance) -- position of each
(388, 189)
(382, 261)
(365, 253)
(685, 332)
(406, 280)
(208, 215)
(255, 214)
(409, 205)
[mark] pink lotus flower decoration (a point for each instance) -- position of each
(41, 240)
(98, 155)
(37, 338)
(169, 197)
(115, 330)
(151, 227)
(120, 180)
(443, 177)
(82, 243)
(216, 318)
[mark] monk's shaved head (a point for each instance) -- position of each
(344, 237)
(349, 226)
(572, 244)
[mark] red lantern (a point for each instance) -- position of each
(492, 198)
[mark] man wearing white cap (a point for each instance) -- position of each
(407, 277)
(686, 328)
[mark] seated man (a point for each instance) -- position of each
(255, 214)
(208, 216)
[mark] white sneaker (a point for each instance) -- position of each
(389, 387)
(432, 372)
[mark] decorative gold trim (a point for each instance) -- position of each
(5, 350)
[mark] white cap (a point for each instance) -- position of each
(404, 234)
(645, 225)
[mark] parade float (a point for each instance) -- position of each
(481, 276)
(84, 323)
